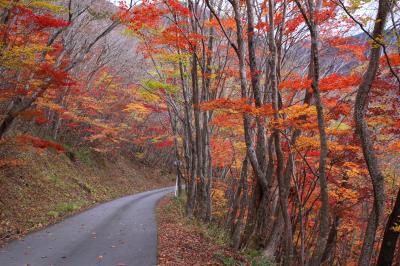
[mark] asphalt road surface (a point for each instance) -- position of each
(122, 232)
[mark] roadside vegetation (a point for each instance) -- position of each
(187, 241)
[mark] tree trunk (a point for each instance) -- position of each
(189, 148)
(283, 186)
(312, 25)
(235, 199)
(238, 227)
(240, 51)
(20, 105)
(362, 131)
(331, 243)
(390, 236)
(275, 235)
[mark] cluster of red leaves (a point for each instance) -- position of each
(337, 82)
(294, 23)
(39, 143)
(47, 21)
(164, 144)
(227, 120)
(57, 76)
(262, 26)
(394, 60)
(178, 8)
(222, 151)
(38, 115)
(328, 83)
(348, 45)
(295, 84)
(184, 245)
(146, 15)
(41, 21)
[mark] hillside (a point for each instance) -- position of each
(40, 187)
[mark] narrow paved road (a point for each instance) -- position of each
(120, 232)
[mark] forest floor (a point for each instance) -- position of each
(42, 187)
(185, 241)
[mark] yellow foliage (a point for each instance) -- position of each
(305, 143)
(140, 155)
(240, 146)
(219, 202)
(341, 194)
(43, 102)
(352, 169)
(21, 56)
(335, 146)
(174, 57)
(396, 228)
(137, 108)
(148, 96)
(47, 5)
(6, 3)
(380, 121)
(298, 110)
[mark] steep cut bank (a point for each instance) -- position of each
(39, 187)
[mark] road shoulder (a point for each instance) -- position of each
(184, 241)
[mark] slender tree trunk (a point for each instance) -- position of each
(201, 185)
(235, 206)
(20, 105)
(238, 227)
(251, 222)
(274, 238)
(283, 186)
(323, 183)
(261, 143)
(362, 131)
(331, 243)
(324, 210)
(190, 148)
(390, 236)
(201, 193)
(206, 118)
(240, 51)
(177, 162)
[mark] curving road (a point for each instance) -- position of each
(122, 232)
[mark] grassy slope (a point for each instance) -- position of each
(46, 186)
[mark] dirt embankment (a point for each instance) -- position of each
(40, 187)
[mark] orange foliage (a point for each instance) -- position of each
(339, 82)
(295, 84)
